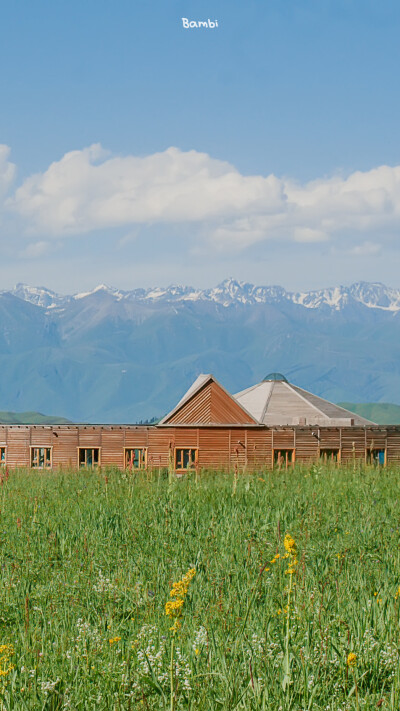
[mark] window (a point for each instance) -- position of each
(41, 457)
(89, 457)
(330, 456)
(135, 457)
(185, 459)
(2, 456)
(376, 457)
(283, 458)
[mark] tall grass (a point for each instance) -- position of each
(88, 560)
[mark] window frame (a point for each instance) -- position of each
(371, 461)
(3, 462)
(142, 462)
(94, 464)
(181, 461)
(38, 447)
(286, 464)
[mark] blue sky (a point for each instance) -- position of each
(137, 152)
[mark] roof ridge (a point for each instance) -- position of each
(208, 377)
(264, 412)
(338, 407)
(246, 390)
(296, 389)
(188, 395)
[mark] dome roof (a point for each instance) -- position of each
(275, 377)
(275, 401)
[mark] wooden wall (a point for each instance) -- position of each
(218, 447)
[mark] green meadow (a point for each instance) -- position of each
(292, 601)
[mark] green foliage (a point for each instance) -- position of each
(88, 560)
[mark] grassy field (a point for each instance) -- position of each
(292, 601)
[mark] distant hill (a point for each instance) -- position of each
(383, 413)
(31, 418)
(123, 356)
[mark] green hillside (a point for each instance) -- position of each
(31, 418)
(383, 413)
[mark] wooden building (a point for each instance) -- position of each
(273, 423)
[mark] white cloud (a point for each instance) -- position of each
(366, 249)
(89, 190)
(307, 234)
(85, 191)
(7, 170)
(35, 250)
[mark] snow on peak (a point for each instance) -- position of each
(230, 292)
(101, 288)
(38, 295)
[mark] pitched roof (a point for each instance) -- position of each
(208, 403)
(278, 402)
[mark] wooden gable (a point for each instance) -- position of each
(209, 405)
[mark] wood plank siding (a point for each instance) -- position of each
(222, 447)
(210, 404)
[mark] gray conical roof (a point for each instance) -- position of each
(278, 402)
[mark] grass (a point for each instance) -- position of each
(88, 560)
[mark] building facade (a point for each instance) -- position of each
(271, 424)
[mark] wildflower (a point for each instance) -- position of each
(173, 608)
(290, 544)
(6, 652)
(352, 659)
(200, 640)
(49, 686)
(114, 640)
(397, 593)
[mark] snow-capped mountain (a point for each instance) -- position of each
(126, 355)
(38, 295)
(230, 291)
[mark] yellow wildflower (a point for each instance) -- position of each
(173, 608)
(397, 594)
(290, 544)
(6, 651)
(352, 660)
(113, 640)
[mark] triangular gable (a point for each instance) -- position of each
(208, 403)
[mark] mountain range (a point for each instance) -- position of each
(109, 355)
